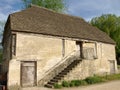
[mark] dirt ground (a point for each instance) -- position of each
(113, 85)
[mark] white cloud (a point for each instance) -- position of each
(88, 9)
(3, 16)
(7, 7)
(4, 11)
(12, 1)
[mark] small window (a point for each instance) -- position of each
(13, 44)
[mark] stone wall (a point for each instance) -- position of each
(100, 65)
(45, 50)
(57, 69)
(14, 73)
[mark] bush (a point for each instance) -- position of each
(89, 80)
(83, 82)
(118, 66)
(92, 80)
(111, 77)
(57, 86)
(78, 82)
(1, 55)
(72, 84)
(65, 84)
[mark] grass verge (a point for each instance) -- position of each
(88, 81)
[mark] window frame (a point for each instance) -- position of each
(13, 45)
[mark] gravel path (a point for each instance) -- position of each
(113, 85)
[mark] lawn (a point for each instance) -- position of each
(88, 81)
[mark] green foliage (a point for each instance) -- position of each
(65, 84)
(110, 24)
(2, 24)
(72, 83)
(111, 77)
(57, 86)
(92, 80)
(56, 5)
(1, 55)
(88, 80)
(77, 83)
(83, 82)
(118, 66)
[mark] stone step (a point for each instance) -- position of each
(60, 75)
(64, 72)
(54, 80)
(73, 64)
(49, 86)
(58, 78)
(68, 69)
(51, 83)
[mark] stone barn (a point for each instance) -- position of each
(42, 47)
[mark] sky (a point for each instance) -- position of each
(87, 9)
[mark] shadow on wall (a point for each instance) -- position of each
(3, 81)
(118, 61)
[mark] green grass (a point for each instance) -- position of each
(95, 79)
(57, 86)
(65, 84)
(118, 66)
(77, 83)
(89, 80)
(111, 77)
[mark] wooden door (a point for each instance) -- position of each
(28, 74)
(112, 67)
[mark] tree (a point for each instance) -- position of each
(110, 24)
(56, 5)
(2, 23)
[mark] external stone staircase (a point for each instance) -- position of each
(62, 74)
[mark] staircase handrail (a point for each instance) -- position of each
(61, 61)
(71, 54)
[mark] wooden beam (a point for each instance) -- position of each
(80, 43)
(81, 49)
(63, 47)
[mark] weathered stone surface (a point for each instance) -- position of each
(47, 52)
(101, 65)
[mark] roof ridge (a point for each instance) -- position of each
(33, 5)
